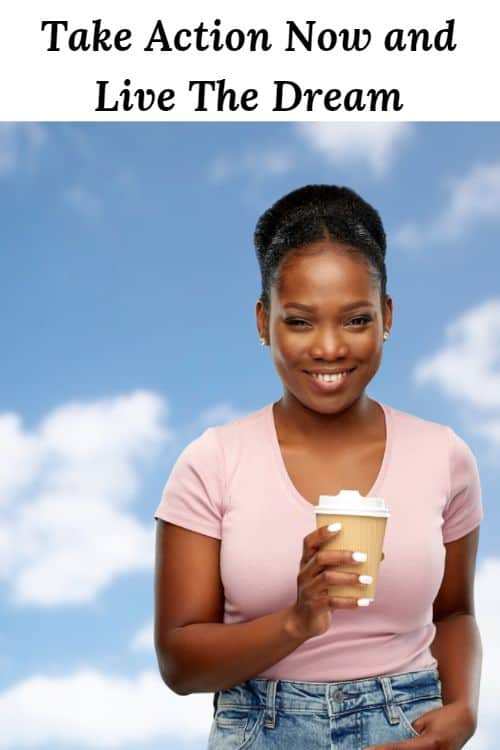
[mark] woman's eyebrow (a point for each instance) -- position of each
(312, 308)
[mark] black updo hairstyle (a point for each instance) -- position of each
(316, 212)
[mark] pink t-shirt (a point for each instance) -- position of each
(231, 483)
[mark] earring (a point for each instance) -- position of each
(262, 341)
(386, 335)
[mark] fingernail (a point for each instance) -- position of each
(335, 526)
(359, 556)
(365, 579)
(363, 602)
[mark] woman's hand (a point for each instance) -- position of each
(320, 569)
(445, 728)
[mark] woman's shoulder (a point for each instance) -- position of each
(416, 423)
(249, 422)
(427, 432)
(226, 433)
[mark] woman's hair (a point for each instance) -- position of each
(316, 212)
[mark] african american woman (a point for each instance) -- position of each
(242, 604)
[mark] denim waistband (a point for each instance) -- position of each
(331, 698)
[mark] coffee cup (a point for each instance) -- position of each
(363, 522)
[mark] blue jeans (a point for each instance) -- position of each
(281, 714)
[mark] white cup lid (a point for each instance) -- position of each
(350, 502)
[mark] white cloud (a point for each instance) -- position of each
(487, 595)
(83, 201)
(19, 144)
(265, 162)
(372, 144)
(143, 640)
(376, 145)
(66, 527)
(72, 547)
(91, 709)
(488, 615)
(490, 429)
(467, 367)
(472, 198)
(20, 457)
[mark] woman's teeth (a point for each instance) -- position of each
(331, 378)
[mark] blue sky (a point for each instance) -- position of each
(128, 288)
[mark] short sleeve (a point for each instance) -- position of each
(463, 510)
(193, 494)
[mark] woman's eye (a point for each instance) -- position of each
(296, 322)
(361, 320)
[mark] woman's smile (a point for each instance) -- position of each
(331, 382)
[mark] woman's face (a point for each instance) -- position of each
(325, 317)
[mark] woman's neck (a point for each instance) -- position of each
(299, 424)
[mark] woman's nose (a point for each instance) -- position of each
(329, 344)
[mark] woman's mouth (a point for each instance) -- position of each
(326, 382)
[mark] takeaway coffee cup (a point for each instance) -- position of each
(363, 522)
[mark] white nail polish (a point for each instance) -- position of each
(365, 579)
(364, 602)
(359, 556)
(335, 526)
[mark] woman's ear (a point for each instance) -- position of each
(388, 313)
(262, 320)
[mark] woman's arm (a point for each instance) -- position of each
(196, 651)
(457, 643)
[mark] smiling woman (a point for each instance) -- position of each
(247, 597)
(337, 340)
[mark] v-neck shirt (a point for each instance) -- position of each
(281, 466)
(231, 483)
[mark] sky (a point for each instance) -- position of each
(128, 284)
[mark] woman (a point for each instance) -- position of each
(242, 605)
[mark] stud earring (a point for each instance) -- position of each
(262, 341)
(386, 335)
